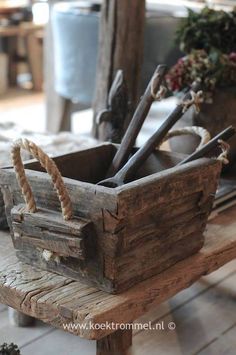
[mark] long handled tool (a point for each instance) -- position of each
(134, 163)
(137, 120)
(212, 144)
(118, 179)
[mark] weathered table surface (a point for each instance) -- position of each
(57, 300)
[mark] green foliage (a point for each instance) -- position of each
(9, 349)
(208, 30)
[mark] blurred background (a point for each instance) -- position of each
(48, 54)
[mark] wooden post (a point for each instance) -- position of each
(12, 65)
(116, 343)
(19, 319)
(35, 59)
(120, 47)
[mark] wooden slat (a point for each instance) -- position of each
(55, 299)
(189, 294)
(47, 229)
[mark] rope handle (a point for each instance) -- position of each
(205, 138)
(192, 130)
(49, 165)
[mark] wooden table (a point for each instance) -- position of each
(58, 301)
(29, 32)
(21, 30)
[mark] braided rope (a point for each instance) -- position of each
(51, 168)
(193, 130)
(225, 147)
(196, 100)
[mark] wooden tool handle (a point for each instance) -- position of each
(136, 123)
(143, 153)
(212, 144)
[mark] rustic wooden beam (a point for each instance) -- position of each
(57, 300)
(120, 47)
(19, 319)
(116, 343)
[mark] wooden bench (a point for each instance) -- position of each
(60, 302)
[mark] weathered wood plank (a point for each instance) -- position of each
(47, 229)
(51, 220)
(75, 165)
(189, 294)
(56, 299)
(120, 47)
(165, 256)
(168, 185)
(161, 230)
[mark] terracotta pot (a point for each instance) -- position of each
(214, 116)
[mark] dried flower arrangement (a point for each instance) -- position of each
(214, 69)
(209, 40)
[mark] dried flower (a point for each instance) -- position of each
(214, 69)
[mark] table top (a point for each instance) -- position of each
(22, 29)
(58, 300)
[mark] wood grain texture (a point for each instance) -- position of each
(56, 299)
(120, 47)
(47, 229)
(140, 229)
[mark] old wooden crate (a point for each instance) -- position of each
(120, 236)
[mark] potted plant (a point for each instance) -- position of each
(209, 40)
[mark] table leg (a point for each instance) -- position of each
(116, 343)
(65, 119)
(35, 60)
(19, 319)
(12, 63)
